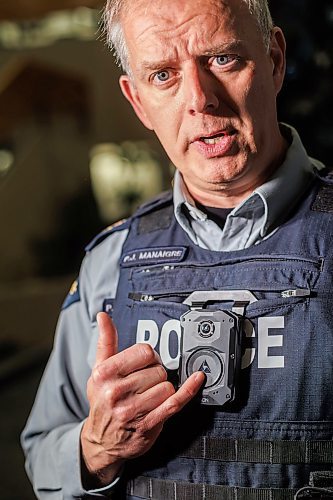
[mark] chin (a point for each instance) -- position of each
(221, 174)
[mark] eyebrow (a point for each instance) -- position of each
(233, 46)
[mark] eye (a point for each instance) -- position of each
(223, 60)
(162, 76)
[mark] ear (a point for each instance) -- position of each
(278, 57)
(132, 95)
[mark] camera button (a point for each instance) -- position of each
(208, 361)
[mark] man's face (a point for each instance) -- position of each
(203, 80)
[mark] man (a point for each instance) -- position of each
(248, 218)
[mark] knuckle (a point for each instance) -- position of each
(171, 408)
(98, 374)
(147, 352)
(124, 414)
(143, 427)
(112, 394)
(105, 371)
(161, 373)
(168, 389)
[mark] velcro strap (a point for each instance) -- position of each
(324, 200)
(260, 451)
(161, 219)
(161, 489)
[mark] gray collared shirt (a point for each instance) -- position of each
(253, 219)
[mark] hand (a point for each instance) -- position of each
(130, 399)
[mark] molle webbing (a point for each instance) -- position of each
(260, 451)
(160, 489)
(235, 450)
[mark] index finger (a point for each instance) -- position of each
(177, 401)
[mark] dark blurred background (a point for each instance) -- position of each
(73, 159)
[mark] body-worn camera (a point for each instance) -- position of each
(211, 342)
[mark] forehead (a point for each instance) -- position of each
(170, 24)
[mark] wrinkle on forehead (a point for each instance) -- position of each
(172, 22)
(167, 32)
(171, 18)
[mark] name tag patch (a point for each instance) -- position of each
(157, 255)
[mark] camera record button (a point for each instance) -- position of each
(207, 361)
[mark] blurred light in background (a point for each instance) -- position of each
(80, 23)
(329, 14)
(6, 161)
(123, 176)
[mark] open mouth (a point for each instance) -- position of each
(215, 139)
(215, 145)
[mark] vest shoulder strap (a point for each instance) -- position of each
(117, 226)
(155, 215)
(163, 199)
(324, 198)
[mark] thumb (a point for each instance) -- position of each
(107, 344)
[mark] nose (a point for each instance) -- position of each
(201, 92)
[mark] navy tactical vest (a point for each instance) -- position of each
(278, 433)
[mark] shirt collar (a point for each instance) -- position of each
(269, 201)
(287, 183)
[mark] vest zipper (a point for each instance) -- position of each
(297, 292)
(144, 297)
(318, 264)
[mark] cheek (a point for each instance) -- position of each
(258, 104)
(262, 93)
(252, 91)
(239, 94)
(167, 120)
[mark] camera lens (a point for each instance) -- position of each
(206, 328)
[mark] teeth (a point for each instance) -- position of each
(212, 140)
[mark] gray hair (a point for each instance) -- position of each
(115, 36)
